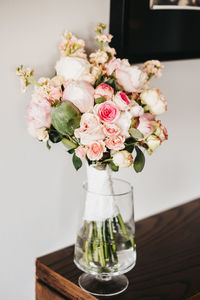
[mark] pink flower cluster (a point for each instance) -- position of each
(115, 104)
(105, 126)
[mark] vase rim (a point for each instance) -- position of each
(115, 194)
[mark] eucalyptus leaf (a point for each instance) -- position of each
(136, 133)
(100, 100)
(139, 161)
(76, 162)
(113, 166)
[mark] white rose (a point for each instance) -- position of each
(155, 100)
(124, 123)
(123, 159)
(153, 142)
(73, 68)
(41, 134)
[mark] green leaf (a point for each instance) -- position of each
(76, 162)
(71, 151)
(129, 148)
(113, 166)
(89, 161)
(135, 133)
(98, 81)
(54, 135)
(68, 144)
(139, 160)
(48, 145)
(113, 84)
(99, 100)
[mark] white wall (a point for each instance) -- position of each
(39, 188)
(40, 191)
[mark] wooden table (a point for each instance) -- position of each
(168, 261)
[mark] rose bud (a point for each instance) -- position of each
(123, 159)
(155, 101)
(104, 90)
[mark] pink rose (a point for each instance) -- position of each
(155, 101)
(90, 129)
(145, 126)
(80, 93)
(107, 111)
(95, 151)
(111, 129)
(104, 90)
(122, 100)
(131, 78)
(112, 66)
(115, 143)
(81, 152)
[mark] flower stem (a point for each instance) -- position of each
(113, 245)
(123, 228)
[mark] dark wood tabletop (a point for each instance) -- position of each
(168, 261)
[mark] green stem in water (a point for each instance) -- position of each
(123, 227)
(105, 240)
(101, 248)
(113, 245)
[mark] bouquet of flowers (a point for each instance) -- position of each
(103, 110)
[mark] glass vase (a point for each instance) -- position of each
(105, 246)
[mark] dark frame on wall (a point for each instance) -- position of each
(141, 33)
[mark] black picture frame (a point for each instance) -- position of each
(176, 35)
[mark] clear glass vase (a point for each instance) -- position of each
(105, 246)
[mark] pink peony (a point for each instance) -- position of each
(95, 150)
(122, 100)
(38, 116)
(80, 93)
(90, 129)
(115, 143)
(81, 152)
(107, 111)
(111, 130)
(104, 90)
(131, 78)
(112, 66)
(155, 101)
(145, 126)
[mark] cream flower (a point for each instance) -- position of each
(155, 101)
(72, 68)
(99, 57)
(152, 142)
(123, 159)
(41, 134)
